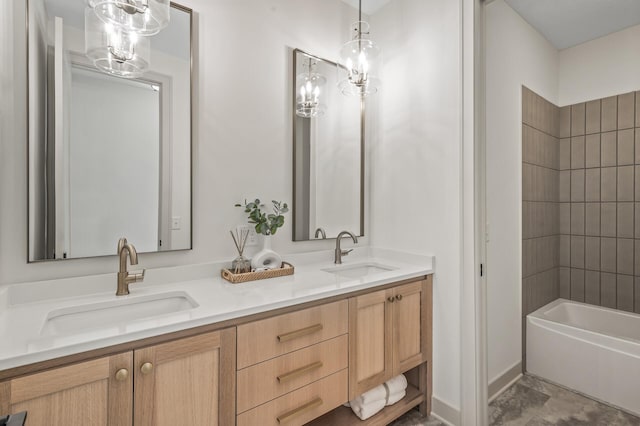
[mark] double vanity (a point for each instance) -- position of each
(186, 347)
(181, 345)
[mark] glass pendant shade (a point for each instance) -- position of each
(360, 62)
(144, 17)
(113, 50)
(309, 86)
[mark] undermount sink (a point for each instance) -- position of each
(359, 270)
(95, 316)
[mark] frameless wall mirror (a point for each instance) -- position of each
(328, 152)
(108, 156)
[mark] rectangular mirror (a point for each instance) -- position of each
(328, 152)
(109, 157)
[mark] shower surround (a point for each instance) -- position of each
(581, 202)
(540, 204)
(599, 217)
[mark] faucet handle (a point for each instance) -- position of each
(346, 252)
(136, 276)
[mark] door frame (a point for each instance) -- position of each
(474, 365)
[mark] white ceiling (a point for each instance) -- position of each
(369, 7)
(566, 23)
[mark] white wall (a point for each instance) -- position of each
(516, 55)
(416, 160)
(603, 67)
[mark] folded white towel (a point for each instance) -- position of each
(379, 393)
(395, 397)
(374, 400)
(367, 410)
(397, 384)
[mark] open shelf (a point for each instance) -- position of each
(343, 416)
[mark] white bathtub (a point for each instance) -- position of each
(591, 349)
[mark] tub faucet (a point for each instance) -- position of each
(339, 252)
(127, 250)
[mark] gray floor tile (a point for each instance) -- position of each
(545, 404)
(414, 418)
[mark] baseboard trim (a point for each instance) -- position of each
(445, 413)
(505, 380)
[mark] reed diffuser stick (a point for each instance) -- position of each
(240, 237)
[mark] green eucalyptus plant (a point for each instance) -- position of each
(265, 224)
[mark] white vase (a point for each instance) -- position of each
(266, 258)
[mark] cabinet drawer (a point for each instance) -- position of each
(300, 406)
(271, 337)
(270, 379)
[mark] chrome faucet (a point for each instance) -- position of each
(339, 252)
(320, 231)
(124, 277)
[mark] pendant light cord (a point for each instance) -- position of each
(359, 18)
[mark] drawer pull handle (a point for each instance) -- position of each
(299, 333)
(390, 299)
(284, 418)
(398, 297)
(299, 372)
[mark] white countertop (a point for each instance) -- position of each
(25, 308)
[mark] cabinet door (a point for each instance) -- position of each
(190, 381)
(97, 392)
(411, 326)
(370, 328)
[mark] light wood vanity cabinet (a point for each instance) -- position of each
(184, 381)
(294, 368)
(87, 393)
(389, 333)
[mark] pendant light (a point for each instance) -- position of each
(143, 17)
(308, 83)
(113, 50)
(360, 62)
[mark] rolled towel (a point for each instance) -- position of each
(397, 384)
(367, 410)
(395, 397)
(379, 393)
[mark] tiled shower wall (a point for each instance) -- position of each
(580, 203)
(540, 204)
(600, 202)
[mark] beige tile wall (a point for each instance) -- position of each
(540, 198)
(542, 184)
(599, 194)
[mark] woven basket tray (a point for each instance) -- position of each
(286, 269)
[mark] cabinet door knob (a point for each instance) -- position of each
(390, 299)
(122, 375)
(146, 368)
(398, 297)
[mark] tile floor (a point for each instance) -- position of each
(534, 402)
(414, 418)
